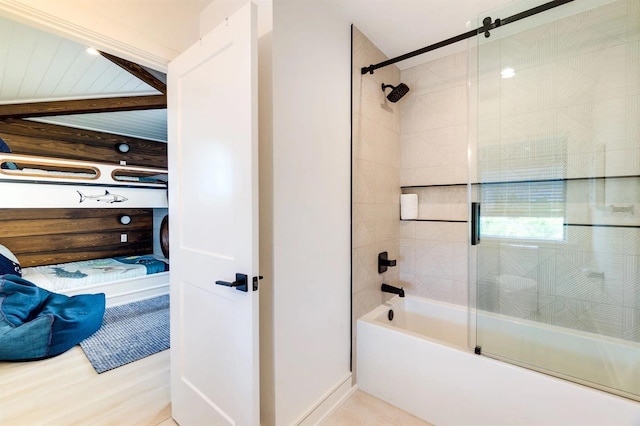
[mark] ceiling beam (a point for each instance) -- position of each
(82, 106)
(138, 72)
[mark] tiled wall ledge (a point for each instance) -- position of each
(433, 186)
(441, 203)
(433, 220)
(603, 201)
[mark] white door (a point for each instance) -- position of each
(213, 202)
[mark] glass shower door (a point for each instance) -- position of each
(556, 274)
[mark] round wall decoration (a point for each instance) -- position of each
(164, 236)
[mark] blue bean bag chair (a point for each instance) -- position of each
(36, 323)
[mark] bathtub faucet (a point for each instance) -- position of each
(386, 288)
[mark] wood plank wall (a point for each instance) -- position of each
(49, 236)
(50, 140)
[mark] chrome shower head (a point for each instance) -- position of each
(397, 92)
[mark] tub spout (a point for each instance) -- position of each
(386, 288)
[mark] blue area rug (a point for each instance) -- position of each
(129, 332)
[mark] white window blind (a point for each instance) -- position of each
(524, 195)
(524, 199)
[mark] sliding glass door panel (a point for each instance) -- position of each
(556, 275)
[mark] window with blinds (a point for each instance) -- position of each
(524, 196)
(527, 210)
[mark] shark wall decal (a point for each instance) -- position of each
(107, 197)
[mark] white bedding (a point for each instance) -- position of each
(81, 274)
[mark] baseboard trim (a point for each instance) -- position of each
(329, 403)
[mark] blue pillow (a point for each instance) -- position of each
(9, 262)
(3, 146)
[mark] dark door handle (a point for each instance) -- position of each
(475, 224)
(241, 283)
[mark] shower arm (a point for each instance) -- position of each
(487, 25)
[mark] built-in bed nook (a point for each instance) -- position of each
(75, 251)
(83, 194)
(77, 225)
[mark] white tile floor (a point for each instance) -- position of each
(364, 409)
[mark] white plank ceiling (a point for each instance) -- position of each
(38, 66)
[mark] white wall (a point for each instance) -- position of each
(311, 172)
(217, 11)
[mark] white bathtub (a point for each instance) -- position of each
(420, 362)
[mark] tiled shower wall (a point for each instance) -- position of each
(433, 154)
(421, 140)
(376, 181)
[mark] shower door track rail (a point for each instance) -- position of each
(507, 182)
(575, 179)
(487, 26)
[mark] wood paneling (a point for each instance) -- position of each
(82, 106)
(50, 236)
(49, 140)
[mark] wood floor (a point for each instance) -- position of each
(362, 409)
(66, 390)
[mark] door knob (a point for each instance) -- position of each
(241, 283)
